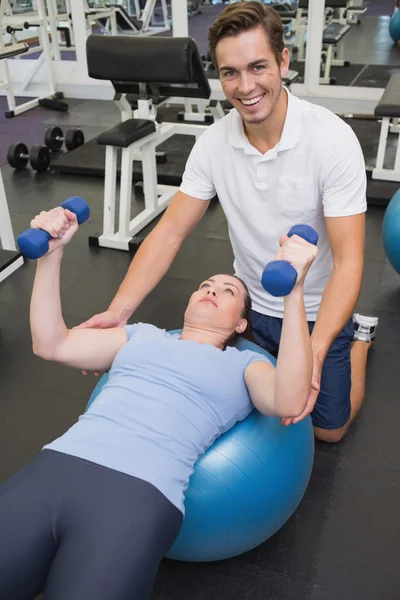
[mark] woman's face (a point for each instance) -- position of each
(218, 305)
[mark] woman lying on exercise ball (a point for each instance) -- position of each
(94, 513)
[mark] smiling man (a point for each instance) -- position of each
(274, 161)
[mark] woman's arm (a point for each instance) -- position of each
(284, 391)
(89, 349)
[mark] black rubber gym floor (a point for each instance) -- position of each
(341, 544)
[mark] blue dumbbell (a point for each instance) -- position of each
(279, 276)
(34, 243)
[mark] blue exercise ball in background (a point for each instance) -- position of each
(391, 231)
(246, 485)
(394, 26)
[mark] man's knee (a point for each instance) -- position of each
(331, 436)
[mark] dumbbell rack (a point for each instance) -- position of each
(10, 258)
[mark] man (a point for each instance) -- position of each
(274, 161)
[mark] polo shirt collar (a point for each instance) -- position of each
(291, 132)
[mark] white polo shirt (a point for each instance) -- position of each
(316, 170)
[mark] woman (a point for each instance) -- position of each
(94, 513)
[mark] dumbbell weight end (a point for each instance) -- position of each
(279, 276)
(34, 243)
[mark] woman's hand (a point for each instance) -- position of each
(299, 253)
(60, 223)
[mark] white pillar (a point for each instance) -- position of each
(52, 14)
(180, 25)
(316, 23)
(80, 33)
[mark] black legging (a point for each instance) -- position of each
(77, 530)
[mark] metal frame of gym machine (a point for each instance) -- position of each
(10, 258)
(146, 17)
(45, 23)
(139, 25)
(13, 259)
(70, 76)
(342, 100)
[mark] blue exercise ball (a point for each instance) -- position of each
(394, 26)
(391, 232)
(246, 485)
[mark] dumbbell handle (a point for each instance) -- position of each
(279, 276)
(34, 243)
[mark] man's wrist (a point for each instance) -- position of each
(122, 309)
(319, 348)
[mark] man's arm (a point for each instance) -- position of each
(344, 201)
(159, 249)
(346, 237)
(153, 259)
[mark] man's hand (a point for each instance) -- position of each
(103, 320)
(312, 398)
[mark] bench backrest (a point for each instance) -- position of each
(169, 66)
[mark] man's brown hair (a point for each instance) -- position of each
(243, 16)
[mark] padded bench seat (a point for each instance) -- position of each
(389, 104)
(127, 132)
(334, 33)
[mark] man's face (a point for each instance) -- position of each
(250, 76)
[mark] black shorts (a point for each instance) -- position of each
(77, 530)
(332, 409)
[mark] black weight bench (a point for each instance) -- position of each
(388, 109)
(332, 35)
(141, 68)
(127, 132)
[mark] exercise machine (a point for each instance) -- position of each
(40, 21)
(141, 68)
(388, 109)
(10, 258)
(354, 9)
(334, 31)
(114, 18)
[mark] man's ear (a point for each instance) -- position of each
(285, 62)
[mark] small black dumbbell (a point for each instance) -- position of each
(54, 138)
(39, 157)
